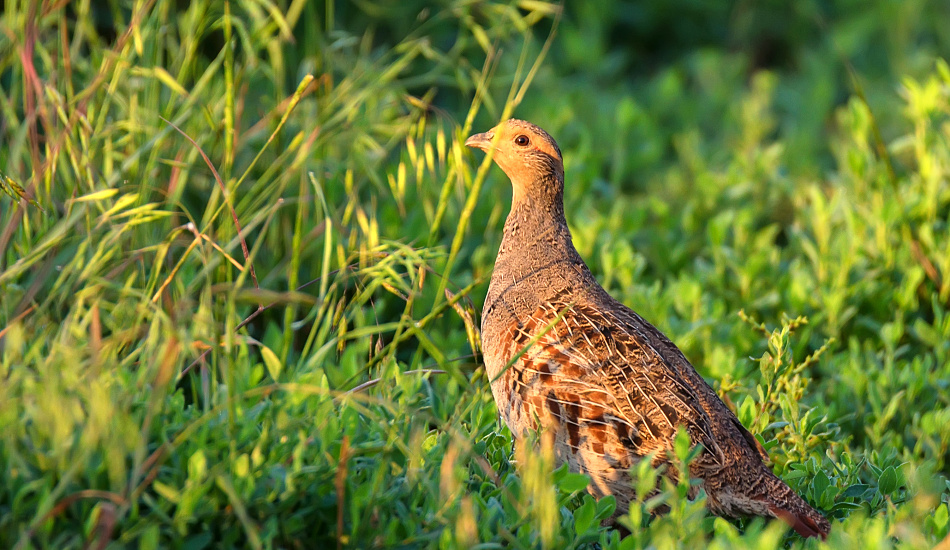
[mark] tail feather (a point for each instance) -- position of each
(804, 525)
(786, 505)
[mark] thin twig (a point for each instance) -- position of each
(374, 381)
(16, 319)
(340, 483)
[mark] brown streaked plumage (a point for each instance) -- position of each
(609, 386)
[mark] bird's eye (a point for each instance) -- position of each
(522, 140)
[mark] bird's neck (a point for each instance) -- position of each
(536, 259)
(536, 232)
(534, 217)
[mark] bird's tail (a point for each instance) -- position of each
(785, 504)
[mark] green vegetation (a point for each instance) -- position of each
(238, 304)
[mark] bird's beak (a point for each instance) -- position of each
(481, 141)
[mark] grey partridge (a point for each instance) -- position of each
(565, 357)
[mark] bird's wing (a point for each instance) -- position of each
(614, 373)
(673, 361)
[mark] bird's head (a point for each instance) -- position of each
(528, 155)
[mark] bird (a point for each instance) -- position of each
(566, 358)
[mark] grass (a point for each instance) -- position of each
(242, 255)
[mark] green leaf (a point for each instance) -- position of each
(941, 516)
(573, 483)
(149, 538)
(97, 195)
(847, 506)
(170, 493)
(681, 445)
(855, 491)
(584, 516)
(820, 483)
(197, 466)
(242, 465)
(606, 507)
(795, 474)
(778, 425)
(827, 498)
(887, 483)
(747, 411)
(272, 363)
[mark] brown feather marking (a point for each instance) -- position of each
(598, 436)
(572, 412)
(553, 405)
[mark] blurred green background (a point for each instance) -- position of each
(243, 252)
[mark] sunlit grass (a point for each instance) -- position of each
(244, 251)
